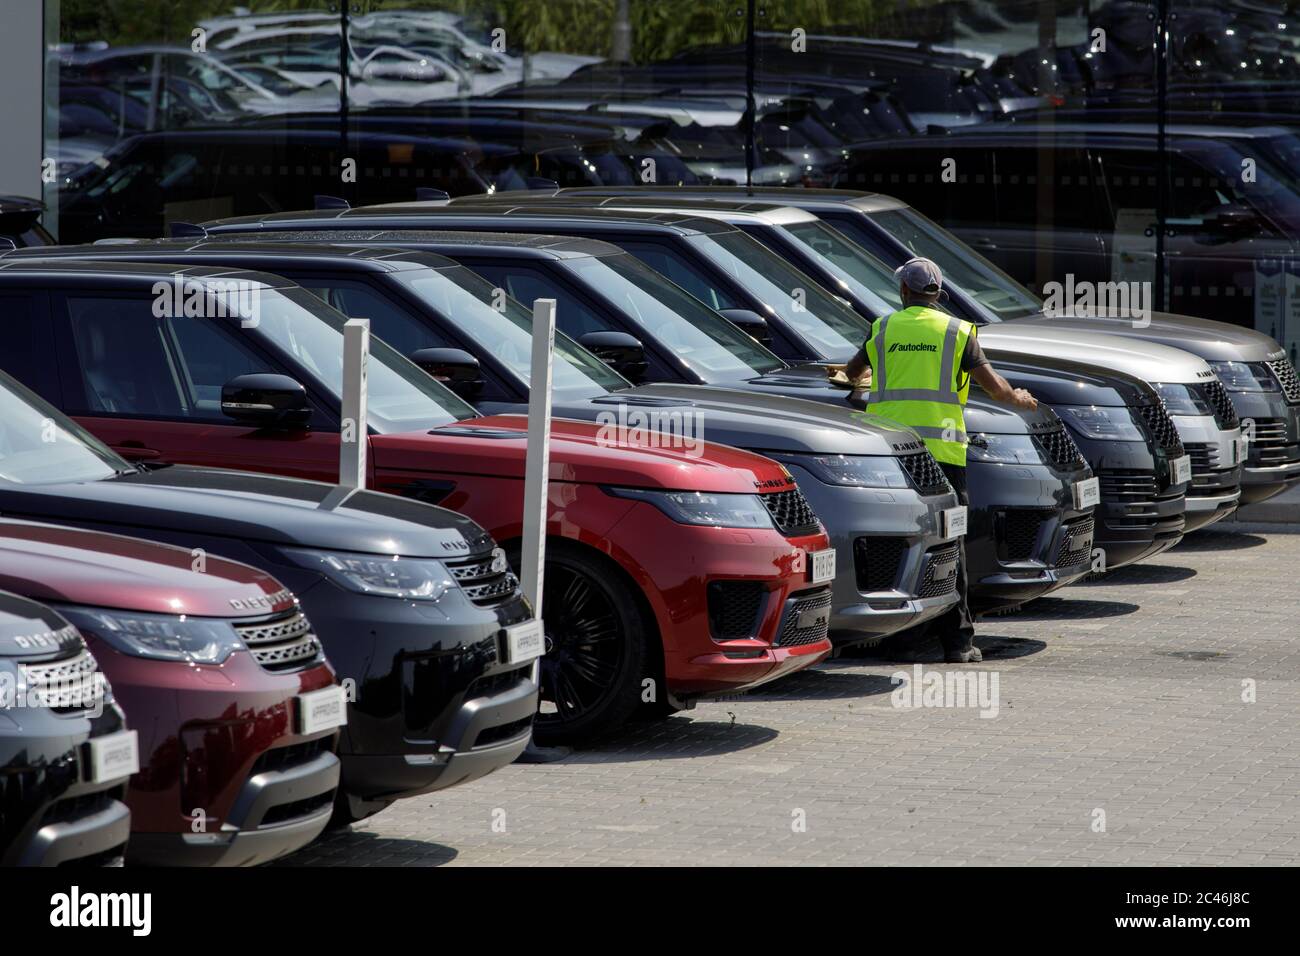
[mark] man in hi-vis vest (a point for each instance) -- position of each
(920, 362)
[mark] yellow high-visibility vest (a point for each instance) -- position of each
(916, 376)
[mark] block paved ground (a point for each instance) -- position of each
(1122, 697)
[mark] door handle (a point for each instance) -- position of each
(135, 451)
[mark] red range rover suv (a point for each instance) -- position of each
(220, 675)
(701, 568)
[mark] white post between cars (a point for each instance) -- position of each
(538, 464)
(354, 430)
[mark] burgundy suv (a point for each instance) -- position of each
(219, 673)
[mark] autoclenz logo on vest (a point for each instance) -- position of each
(912, 347)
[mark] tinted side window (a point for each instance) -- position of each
(29, 342)
(388, 319)
(209, 355)
(1020, 172)
(526, 283)
(668, 262)
(122, 358)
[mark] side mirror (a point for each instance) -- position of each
(455, 368)
(751, 323)
(1234, 221)
(266, 400)
(620, 351)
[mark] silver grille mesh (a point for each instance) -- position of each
(281, 645)
(72, 684)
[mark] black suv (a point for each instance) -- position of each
(64, 755)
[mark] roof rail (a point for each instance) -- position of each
(330, 202)
(541, 182)
(186, 230)
(429, 194)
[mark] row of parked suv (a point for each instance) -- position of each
(211, 650)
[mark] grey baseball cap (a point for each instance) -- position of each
(921, 275)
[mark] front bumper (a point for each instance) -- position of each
(884, 538)
(221, 759)
(1026, 536)
(427, 685)
(1273, 430)
(1216, 469)
(276, 812)
(51, 814)
(698, 575)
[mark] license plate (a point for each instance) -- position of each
(322, 709)
(1241, 447)
(114, 756)
(525, 642)
(822, 566)
(954, 522)
(1182, 469)
(1087, 493)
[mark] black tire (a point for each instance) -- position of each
(350, 810)
(597, 638)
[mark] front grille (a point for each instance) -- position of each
(77, 808)
(1286, 377)
(876, 561)
(940, 554)
(1127, 487)
(791, 512)
(1217, 396)
(793, 634)
(494, 684)
(1204, 456)
(1269, 444)
(1059, 448)
(1162, 427)
(22, 791)
(1020, 528)
(287, 644)
(1076, 544)
(734, 607)
(64, 686)
(282, 758)
(494, 735)
(925, 472)
(486, 580)
(1208, 474)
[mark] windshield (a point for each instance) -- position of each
(1001, 296)
(710, 345)
(866, 276)
(832, 328)
(503, 327)
(39, 445)
(400, 397)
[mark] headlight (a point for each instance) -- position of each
(866, 471)
(1181, 400)
(413, 579)
(1100, 421)
(704, 508)
(1245, 376)
(1004, 449)
(165, 637)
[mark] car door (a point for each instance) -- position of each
(150, 387)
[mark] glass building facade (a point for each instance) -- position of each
(1116, 141)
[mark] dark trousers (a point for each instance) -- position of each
(955, 629)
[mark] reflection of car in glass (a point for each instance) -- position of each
(417, 301)
(1098, 221)
(64, 753)
(350, 564)
(20, 222)
(621, 606)
(221, 677)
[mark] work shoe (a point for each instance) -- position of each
(971, 655)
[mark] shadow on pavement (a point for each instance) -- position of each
(675, 737)
(1056, 609)
(1141, 574)
(356, 847)
(1220, 541)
